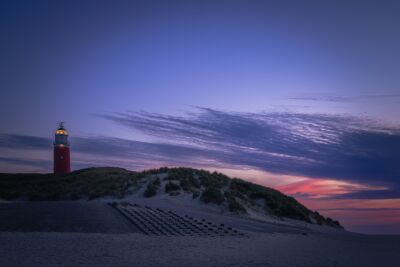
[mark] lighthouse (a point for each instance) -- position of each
(62, 162)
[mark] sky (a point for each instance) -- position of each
(302, 96)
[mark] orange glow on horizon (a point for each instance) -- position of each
(321, 188)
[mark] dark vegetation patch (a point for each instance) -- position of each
(86, 183)
(212, 195)
(233, 205)
(152, 187)
(171, 186)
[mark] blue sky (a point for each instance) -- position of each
(283, 93)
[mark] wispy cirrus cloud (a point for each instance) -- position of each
(19, 141)
(354, 98)
(36, 163)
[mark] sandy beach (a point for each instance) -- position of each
(93, 234)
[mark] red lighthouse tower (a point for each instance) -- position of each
(62, 162)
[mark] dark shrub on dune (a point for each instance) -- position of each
(152, 188)
(212, 195)
(171, 186)
(86, 183)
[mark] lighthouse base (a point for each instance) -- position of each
(62, 161)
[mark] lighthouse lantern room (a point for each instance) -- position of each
(62, 162)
